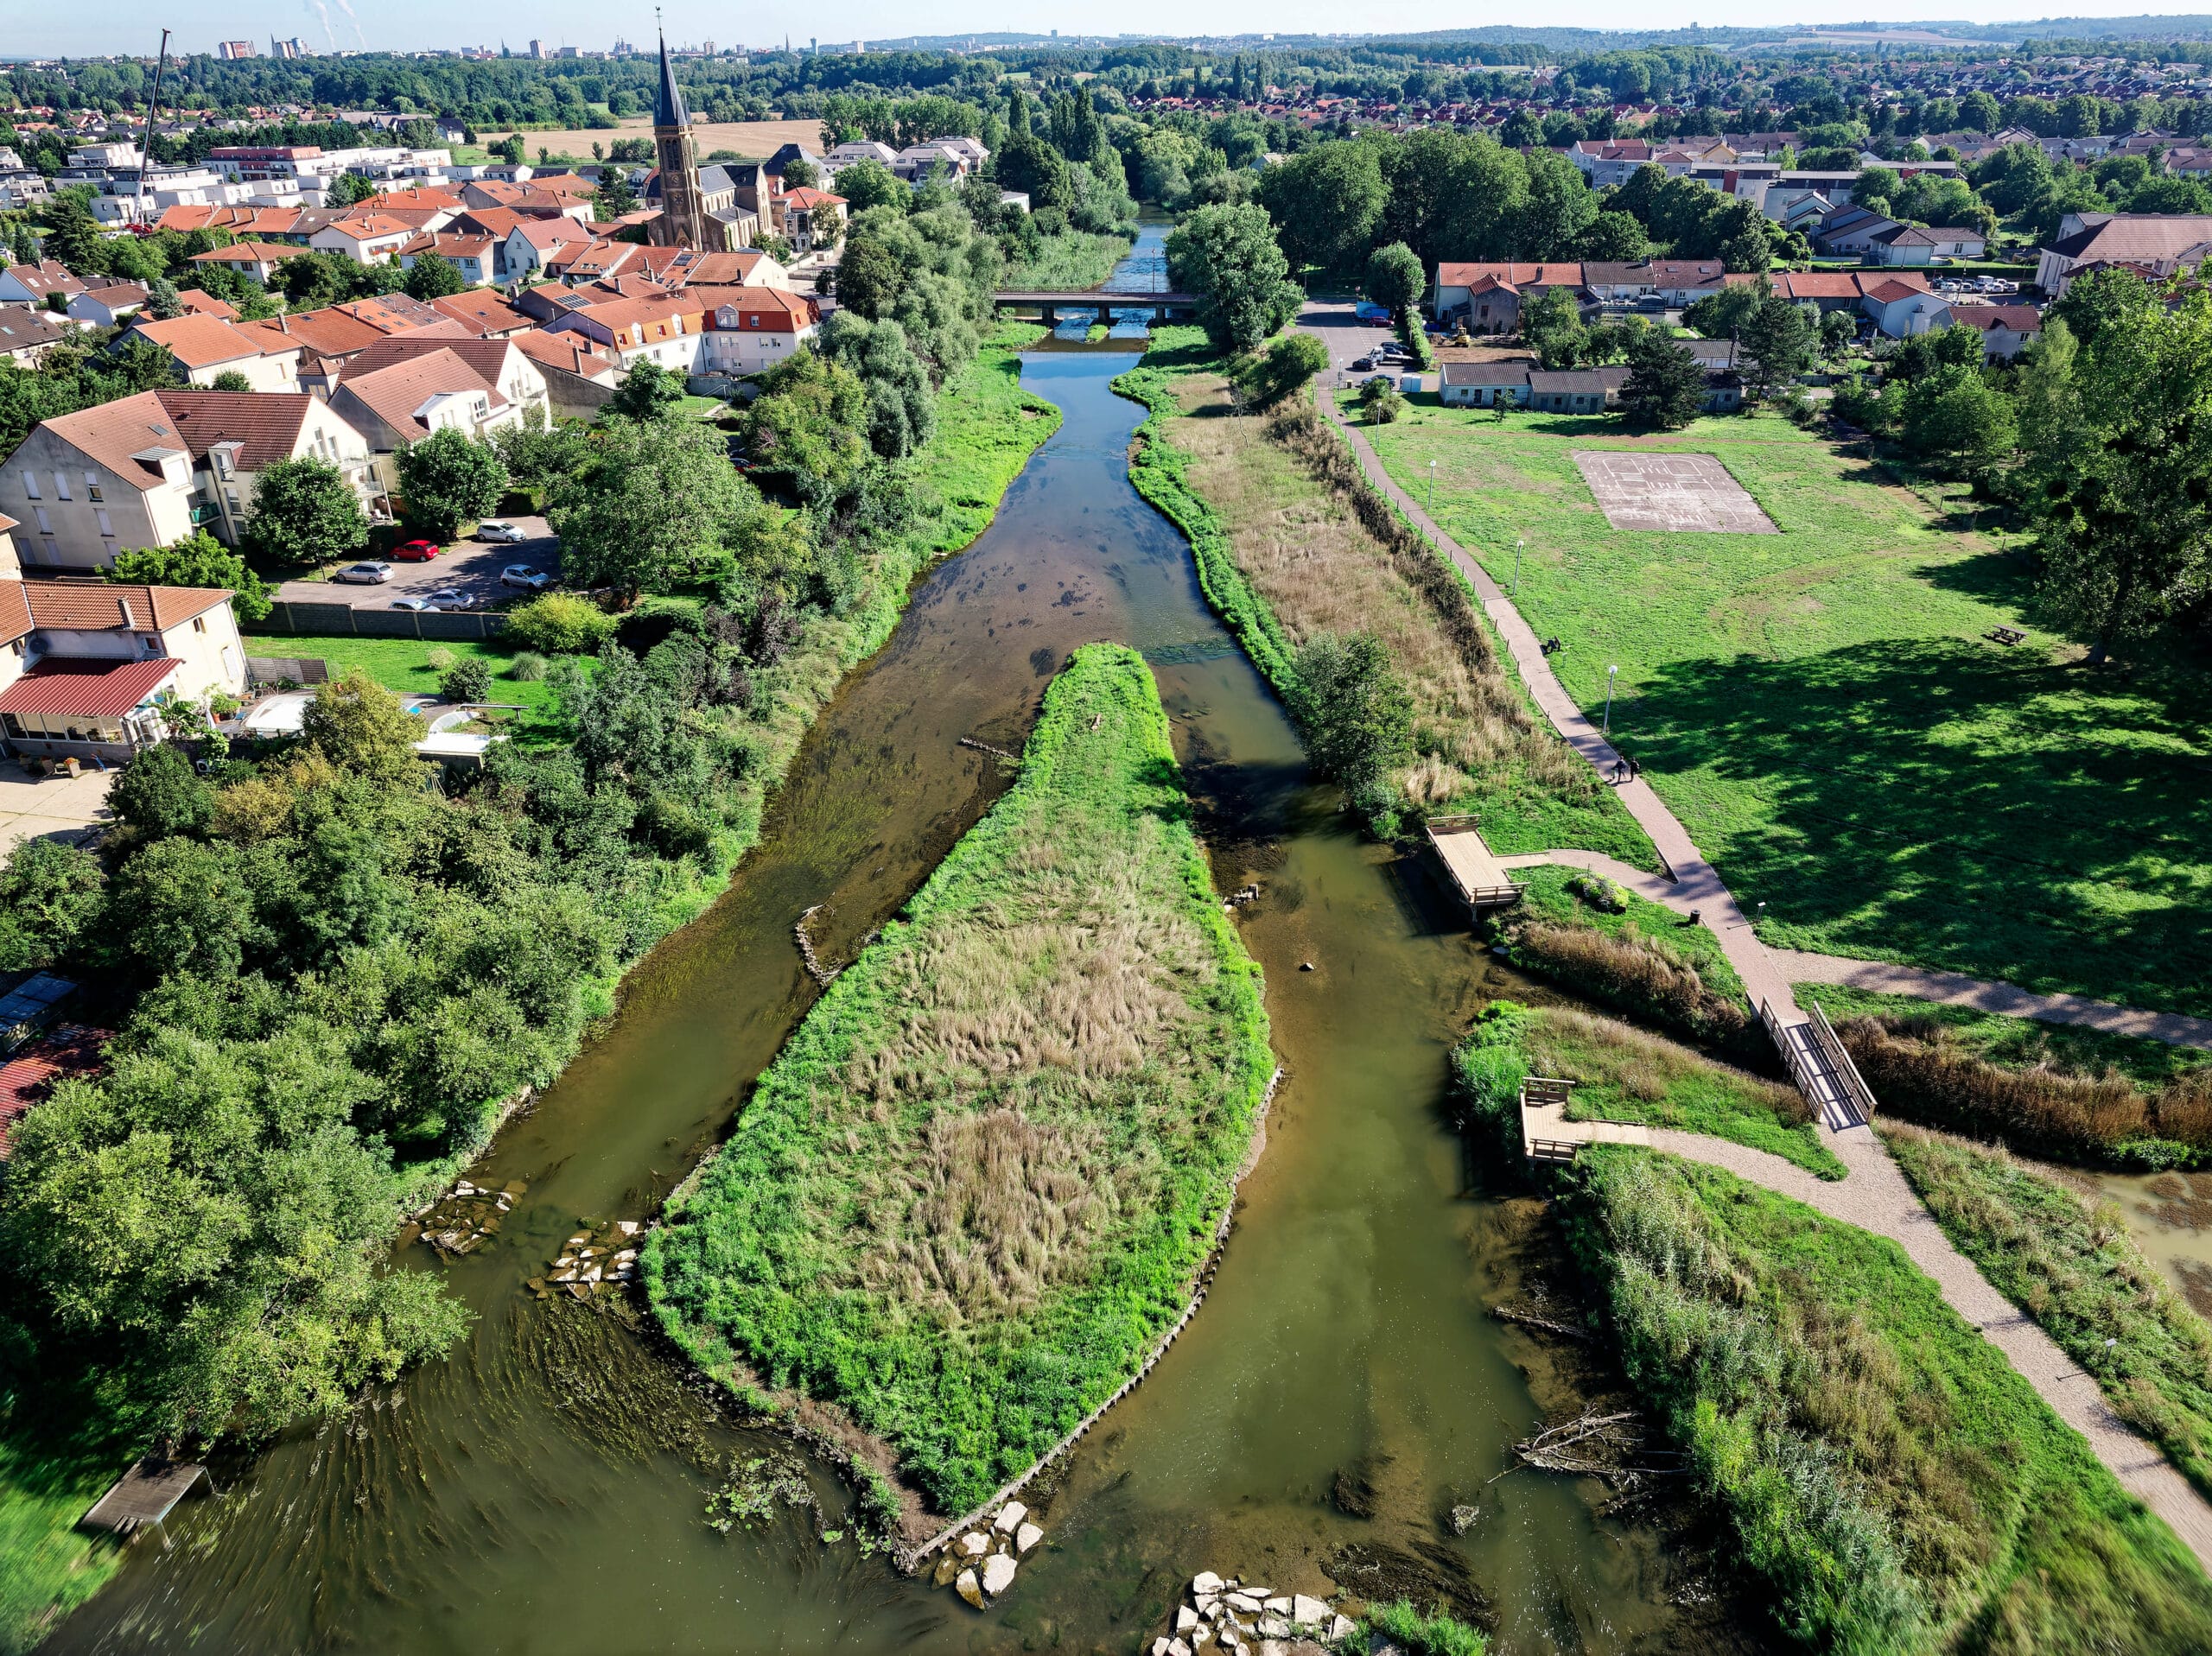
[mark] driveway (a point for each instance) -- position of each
(57, 807)
(1347, 337)
(473, 566)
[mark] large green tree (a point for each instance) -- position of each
(1325, 204)
(1356, 712)
(197, 560)
(1227, 256)
(433, 275)
(1395, 278)
(1665, 384)
(1776, 341)
(448, 478)
(648, 392)
(303, 511)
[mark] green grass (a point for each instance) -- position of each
(402, 665)
(1435, 1634)
(48, 1480)
(1820, 709)
(1545, 896)
(977, 1183)
(1897, 1485)
(2066, 1260)
(1073, 262)
(2017, 1043)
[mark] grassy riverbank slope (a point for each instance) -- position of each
(485, 979)
(2039, 823)
(1284, 553)
(978, 1182)
(1897, 1485)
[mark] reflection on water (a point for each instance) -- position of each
(1143, 269)
(543, 1489)
(2170, 1216)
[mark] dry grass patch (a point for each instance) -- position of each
(978, 1182)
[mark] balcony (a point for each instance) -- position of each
(203, 516)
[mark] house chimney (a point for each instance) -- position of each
(129, 620)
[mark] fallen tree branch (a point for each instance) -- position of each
(1531, 1320)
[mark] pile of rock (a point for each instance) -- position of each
(466, 1216)
(1225, 1614)
(979, 1563)
(595, 1260)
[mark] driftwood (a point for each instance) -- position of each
(1531, 1320)
(1590, 1445)
(985, 748)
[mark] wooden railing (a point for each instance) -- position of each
(1860, 1095)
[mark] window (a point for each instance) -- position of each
(61, 485)
(44, 526)
(92, 486)
(53, 553)
(199, 623)
(106, 528)
(30, 483)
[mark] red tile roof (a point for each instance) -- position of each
(482, 312)
(264, 424)
(69, 606)
(67, 687)
(27, 1079)
(203, 341)
(198, 302)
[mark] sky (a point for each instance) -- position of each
(409, 25)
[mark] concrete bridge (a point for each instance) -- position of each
(1048, 305)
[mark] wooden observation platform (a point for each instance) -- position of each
(1475, 872)
(145, 1494)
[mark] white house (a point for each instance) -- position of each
(749, 329)
(206, 347)
(1912, 244)
(256, 259)
(2005, 329)
(365, 237)
(1900, 311)
(105, 306)
(33, 284)
(407, 401)
(476, 257)
(665, 329)
(530, 243)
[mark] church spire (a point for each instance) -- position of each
(668, 108)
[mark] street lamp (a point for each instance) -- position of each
(1518, 545)
(1432, 491)
(1607, 728)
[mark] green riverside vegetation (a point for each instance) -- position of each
(1896, 1483)
(2038, 824)
(979, 1181)
(2065, 1258)
(1072, 262)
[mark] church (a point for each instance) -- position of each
(702, 208)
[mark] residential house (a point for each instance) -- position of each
(35, 284)
(527, 246)
(1489, 294)
(488, 314)
(1675, 283)
(197, 302)
(2005, 329)
(333, 335)
(2189, 161)
(206, 347)
(497, 362)
(232, 436)
(407, 401)
(750, 329)
(363, 237)
(26, 335)
(812, 217)
(256, 259)
(85, 664)
(1575, 391)
(845, 155)
(109, 306)
(1851, 232)
(477, 257)
(1483, 384)
(665, 329)
(1913, 244)
(1901, 311)
(1610, 160)
(2159, 243)
(1836, 289)
(578, 379)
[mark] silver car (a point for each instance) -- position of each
(365, 575)
(507, 534)
(522, 576)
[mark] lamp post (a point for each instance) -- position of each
(1432, 491)
(1607, 728)
(1518, 545)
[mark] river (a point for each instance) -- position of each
(543, 1488)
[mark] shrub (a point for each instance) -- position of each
(466, 681)
(527, 668)
(560, 624)
(1636, 975)
(1599, 893)
(442, 659)
(1435, 1634)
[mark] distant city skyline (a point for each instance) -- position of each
(135, 26)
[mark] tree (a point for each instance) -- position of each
(349, 189)
(158, 795)
(1551, 323)
(433, 275)
(1228, 258)
(50, 892)
(902, 408)
(1357, 714)
(1838, 329)
(1665, 385)
(197, 560)
(1614, 238)
(360, 727)
(163, 303)
(648, 392)
(1395, 278)
(304, 510)
(799, 175)
(1778, 346)
(807, 427)
(1557, 210)
(656, 503)
(613, 199)
(870, 278)
(1718, 316)
(2119, 487)
(1954, 415)
(448, 478)
(1379, 402)
(868, 183)
(1326, 202)
(1288, 368)
(230, 380)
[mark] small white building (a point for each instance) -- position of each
(206, 348)
(365, 238)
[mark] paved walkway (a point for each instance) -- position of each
(51, 808)
(1874, 1196)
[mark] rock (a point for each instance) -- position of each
(1204, 1584)
(1027, 1536)
(1159, 1647)
(1280, 1606)
(628, 1227)
(998, 1574)
(1176, 1647)
(974, 1545)
(1309, 1612)
(947, 1568)
(1009, 1517)
(969, 1589)
(1341, 1627)
(1256, 1592)
(1186, 1618)
(1244, 1602)
(1306, 965)
(1463, 1519)
(1274, 1626)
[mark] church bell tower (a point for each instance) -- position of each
(683, 221)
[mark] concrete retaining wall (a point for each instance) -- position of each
(344, 619)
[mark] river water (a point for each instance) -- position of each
(543, 1489)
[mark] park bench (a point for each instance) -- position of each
(2005, 635)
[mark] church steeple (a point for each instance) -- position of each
(668, 108)
(683, 221)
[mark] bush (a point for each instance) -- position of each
(1636, 975)
(442, 659)
(466, 681)
(527, 668)
(1599, 893)
(1434, 1635)
(560, 624)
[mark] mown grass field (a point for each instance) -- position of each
(1820, 708)
(1894, 1482)
(980, 1178)
(404, 665)
(1282, 556)
(2066, 1260)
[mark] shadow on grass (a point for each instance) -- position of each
(1954, 805)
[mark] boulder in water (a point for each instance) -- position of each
(1027, 1536)
(1009, 1517)
(969, 1589)
(998, 1574)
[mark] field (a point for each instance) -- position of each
(1897, 1484)
(1071, 262)
(1821, 709)
(1283, 554)
(751, 140)
(2066, 1260)
(978, 1182)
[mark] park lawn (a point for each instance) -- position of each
(1545, 896)
(977, 1184)
(1821, 710)
(1283, 555)
(2065, 1259)
(2017, 1043)
(1072, 262)
(402, 665)
(1895, 1481)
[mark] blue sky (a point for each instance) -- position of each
(136, 25)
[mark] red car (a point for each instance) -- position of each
(415, 551)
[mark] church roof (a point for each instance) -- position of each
(668, 108)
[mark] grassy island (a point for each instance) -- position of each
(977, 1183)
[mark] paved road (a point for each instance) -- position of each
(1875, 1194)
(473, 566)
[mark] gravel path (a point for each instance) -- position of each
(1875, 1196)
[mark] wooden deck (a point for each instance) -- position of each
(1547, 1136)
(1476, 872)
(143, 1496)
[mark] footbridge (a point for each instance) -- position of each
(1163, 306)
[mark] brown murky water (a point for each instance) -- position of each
(543, 1490)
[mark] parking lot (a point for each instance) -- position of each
(472, 567)
(1347, 337)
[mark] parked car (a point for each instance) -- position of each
(415, 551)
(522, 576)
(1367, 311)
(449, 598)
(503, 533)
(1362, 365)
(414, 604)
(365, 575)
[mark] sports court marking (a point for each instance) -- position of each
(1680, 492)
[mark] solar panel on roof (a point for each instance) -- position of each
(34, 996)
